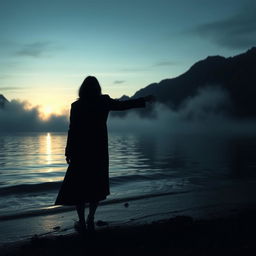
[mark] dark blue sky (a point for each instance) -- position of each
(48, 47)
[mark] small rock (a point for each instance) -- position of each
(34, 238)
(101, 223)
(126, 205)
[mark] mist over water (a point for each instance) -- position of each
(206, 112)
(19, 116)
(197, 146)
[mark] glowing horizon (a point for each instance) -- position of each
(48, 48)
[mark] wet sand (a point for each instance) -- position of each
(214, 222)
(181, 235)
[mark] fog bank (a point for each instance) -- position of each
(18, 116)
(206, 112)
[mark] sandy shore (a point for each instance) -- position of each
(181, 235)
(220, 221)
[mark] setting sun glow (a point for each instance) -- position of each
(46, 111)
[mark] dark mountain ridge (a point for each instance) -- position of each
(237, 75)
(3, 101)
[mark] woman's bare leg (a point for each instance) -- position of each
(80, 212)
(92, 209)
(90, 219)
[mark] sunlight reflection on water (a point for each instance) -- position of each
(139, 164)
(39, 157)
(48, 148)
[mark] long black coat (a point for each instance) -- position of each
(87, 177)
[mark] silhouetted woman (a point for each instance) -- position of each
(87, 177)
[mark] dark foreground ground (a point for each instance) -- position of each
(233, 235)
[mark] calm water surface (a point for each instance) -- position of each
(32, 165)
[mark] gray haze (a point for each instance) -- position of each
(15, 117)
(207, 112)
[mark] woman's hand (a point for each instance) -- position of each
(68, 160)
(150, 98)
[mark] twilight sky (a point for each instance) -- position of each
(48, 47)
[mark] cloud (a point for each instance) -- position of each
(149, 68)
(235, 32)
(206, 112)
(134, 69)
(12, 88)
(20, 116)
(209, 102)
(35, 50)
(207, 107)
(3, 77)
(165, 64)
(119, 82)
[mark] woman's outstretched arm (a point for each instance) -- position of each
(128, 104)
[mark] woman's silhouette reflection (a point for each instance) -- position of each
(87, 177)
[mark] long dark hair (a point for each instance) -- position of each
(90, 88)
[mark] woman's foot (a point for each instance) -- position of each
(80, 227)
(90, 224)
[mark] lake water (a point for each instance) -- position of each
(32, 165)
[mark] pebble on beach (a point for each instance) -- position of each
(126, 205)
